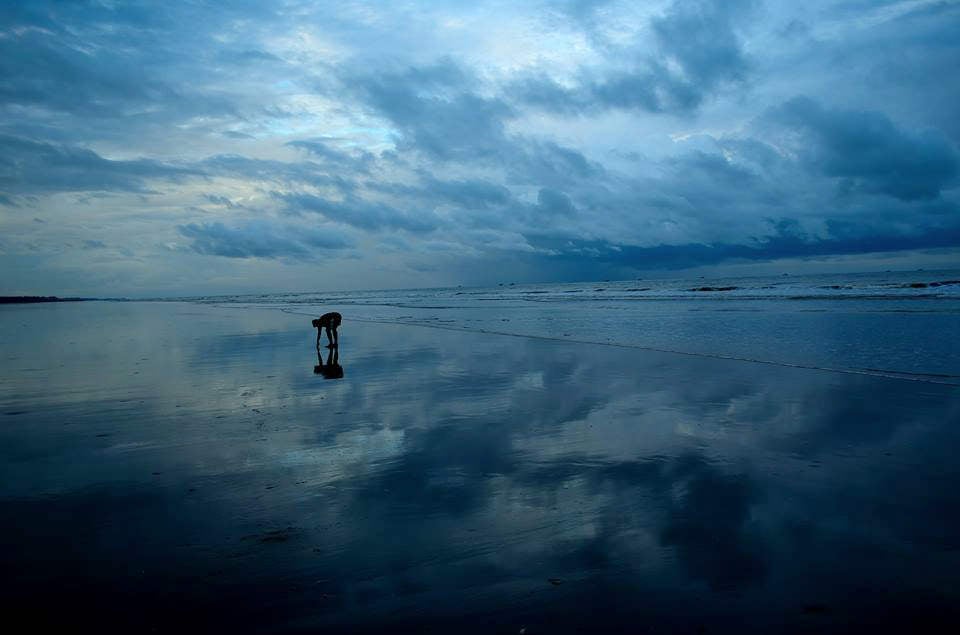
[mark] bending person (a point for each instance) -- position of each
(329, 321)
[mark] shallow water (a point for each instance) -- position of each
(893, 323)
(168, 465)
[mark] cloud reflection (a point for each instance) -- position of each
(448, 474)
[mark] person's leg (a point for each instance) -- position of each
(336, 337)
(329, 337)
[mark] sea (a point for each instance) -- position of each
(902, 324)
(461, 464)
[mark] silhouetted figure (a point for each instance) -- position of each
(332, 369)
(329, 321)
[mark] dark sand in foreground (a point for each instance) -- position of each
(176, 467)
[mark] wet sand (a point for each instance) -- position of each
(175, 467)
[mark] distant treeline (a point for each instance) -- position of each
(27, 299)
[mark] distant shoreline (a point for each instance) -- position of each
(34, 299)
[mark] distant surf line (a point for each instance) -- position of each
(927, 378)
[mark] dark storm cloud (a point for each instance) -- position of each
(785, 242)
(552, 164)
(582, 10)
(263, 239)
(233, 134)
(358, 163)
(115, 67)
(53, 71)
(655, 90)
(250, 56)
(541, 91)
(362, 214)
(31, 167)
(221, 200)
(720, 192)
(472, 193)
(438, 113)
(552, 202)
(435, 112)
(827, 183)
(438, 128)
(903, 66)
(698, 52)
(472, 201)
(869, 153)
(651, 89)
(309, 172)
(711, 167)
(700, 35)
(475, 211)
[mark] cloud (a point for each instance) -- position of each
(709, 523)
(439, 114)
(263, 239)
(784, 242)
(272, 170)
(868, 153)
(233, 134)
(895, 57)
(700, 36)
(84, 72)
(362, 214)
(572, 140)
(698, 53)
(469, 193)
(654, 519)
(221, 200)
(31, 167)
(552, 203)
(435, 112)
(336, 159)
(50, 69)
(549, 163)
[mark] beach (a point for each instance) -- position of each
(175, 466)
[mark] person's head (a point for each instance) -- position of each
(316, 323)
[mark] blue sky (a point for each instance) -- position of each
(178, 148)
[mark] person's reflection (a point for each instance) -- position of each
(332, 369)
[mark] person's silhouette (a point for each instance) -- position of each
(330, 322)
(332, 369)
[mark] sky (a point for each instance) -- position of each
(181, 148)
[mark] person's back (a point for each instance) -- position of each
(328, 320)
